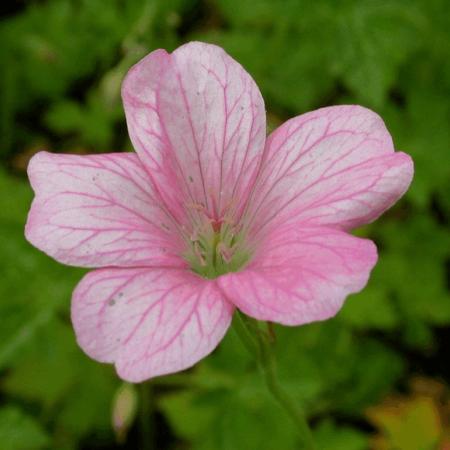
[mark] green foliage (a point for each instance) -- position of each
(62, 66)
(328, 436)
(19, 431)
(65, 49)
(223, 412)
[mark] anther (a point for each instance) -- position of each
(225, 252)
(199, 254)
(196, 206)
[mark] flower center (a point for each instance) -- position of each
(216, 247)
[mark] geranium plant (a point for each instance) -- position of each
(209, 215)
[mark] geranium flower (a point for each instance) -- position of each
(208, 215)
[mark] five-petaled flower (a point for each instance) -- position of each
(209, 215)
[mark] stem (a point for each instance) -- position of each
(147, 418)
(246, 337)
(267, 363)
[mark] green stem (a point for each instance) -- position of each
(246, 337)
(147, 418)
(267, 362)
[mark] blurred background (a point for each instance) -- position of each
(375, 377)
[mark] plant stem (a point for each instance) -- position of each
(267, 364)
(246, 336)
(147, 418)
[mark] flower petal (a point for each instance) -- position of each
(139, 90)
(334, 166)
(198, 114)
(149, 322)
(98, 210)
(301, 275)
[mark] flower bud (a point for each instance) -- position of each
(124, 410)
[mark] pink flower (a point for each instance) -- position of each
(208, 215)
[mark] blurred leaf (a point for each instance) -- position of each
(355, 373)
(95, 386)
(375, 39)
(15, 199)
(228, 420)
(414, 268)
(409, 284)
(65, 116)
(309, 45)
(406, 425)
(372, 308)
(92, 123)
(51, 360)
(329, 436)
(19, 431)
(187, 418)
(428, 116)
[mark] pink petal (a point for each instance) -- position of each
(149, 322)
(198, 114)
(334, 166)
(98, 210)
(301, 274)
(139, 90)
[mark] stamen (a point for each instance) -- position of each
(215, 244)
(225, 252)
(196, 206)
(199, 254)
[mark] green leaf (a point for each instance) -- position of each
(18, 431)
(412, 424)
(15, 199)
(413, 267)
(374, 40)
(373, 308)
(64, 381)
(51, 359)
(309, 46)
(245, 417)
(328, 436)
